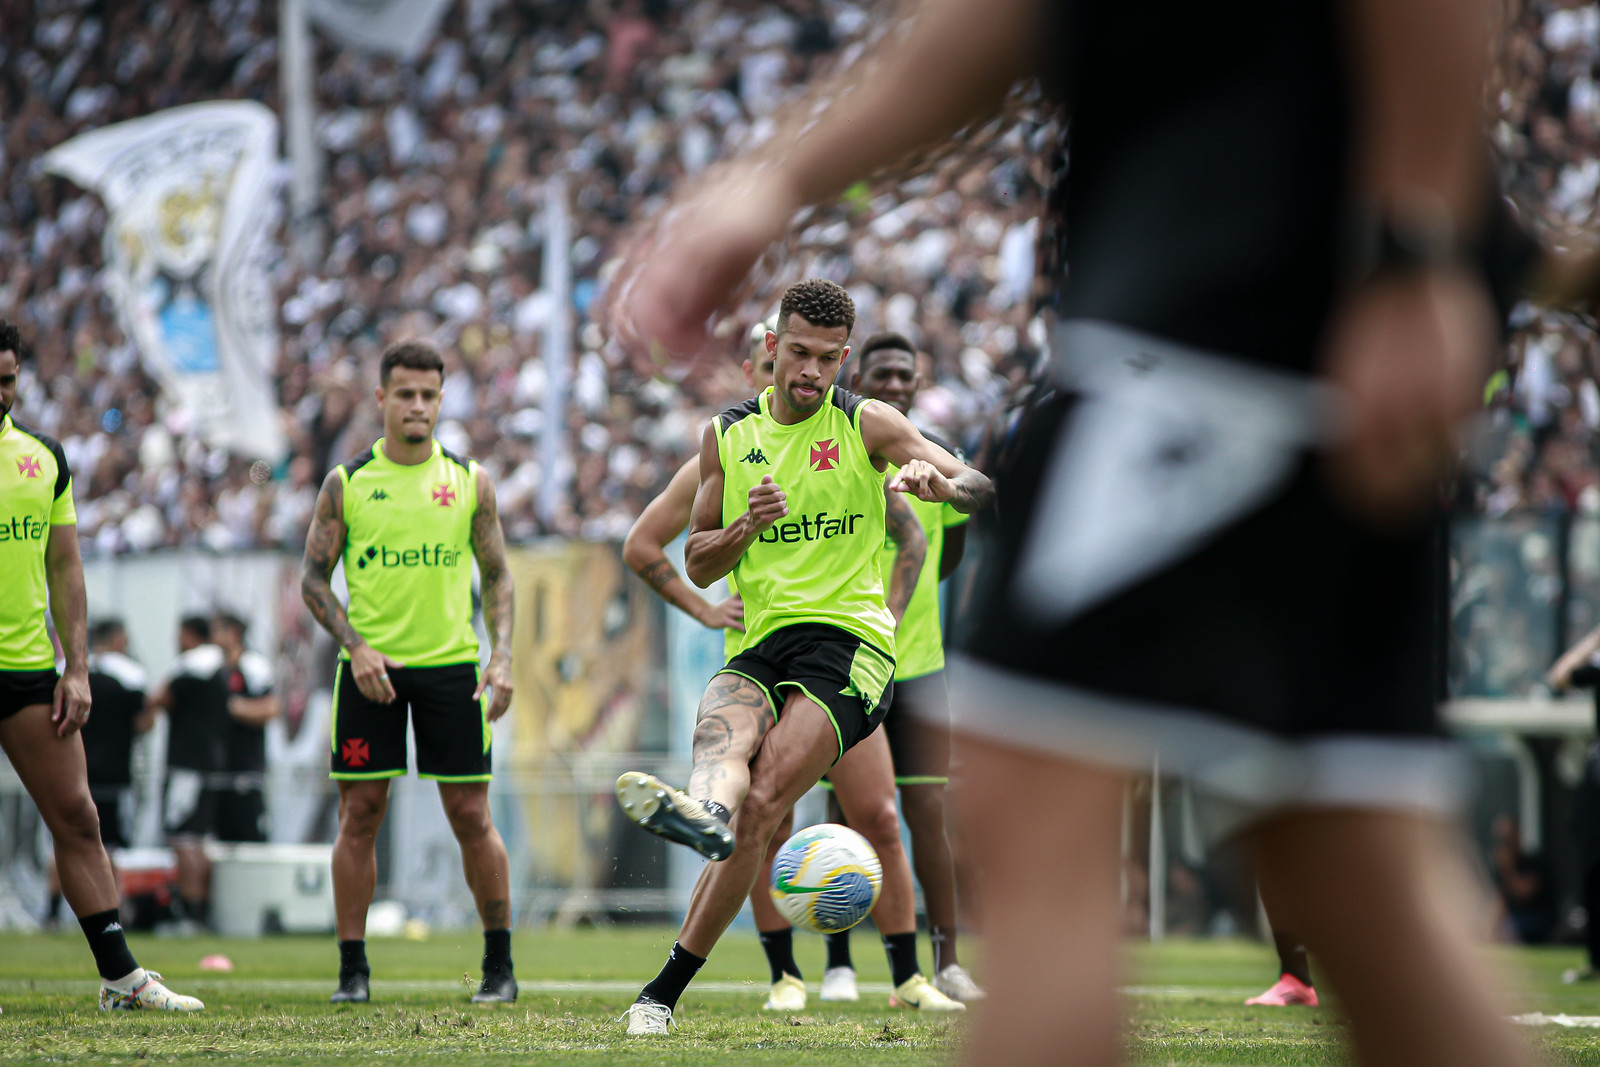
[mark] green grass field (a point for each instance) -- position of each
(1185, 1006)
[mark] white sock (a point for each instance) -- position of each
(128, 982)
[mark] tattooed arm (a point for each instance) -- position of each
(489, 548)
(324, 546)
(911, 551)
(663, 519)
(926, 470)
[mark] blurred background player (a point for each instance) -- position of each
(861, 784)
(918, 729)
(1151, 593)
(407, 517)
(818, 630)
(117, 685)
(252, 704)
(194, 697)
(43, 711)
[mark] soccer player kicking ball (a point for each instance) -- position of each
(863, 781)
(404, 516)
(42, 712)
(790, 501)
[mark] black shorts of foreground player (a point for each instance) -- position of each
(407, 517)
(815, 676)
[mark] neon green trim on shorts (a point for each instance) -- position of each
(921, 779)
(772, 704)
(333, 727)
(348, 776)
(457, 778)
(809, 695)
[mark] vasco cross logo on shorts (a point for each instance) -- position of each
(28, 467)
(824, 455)
(355, 752)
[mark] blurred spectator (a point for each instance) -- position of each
(1523, 881)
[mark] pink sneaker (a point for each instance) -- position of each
(1289, 990)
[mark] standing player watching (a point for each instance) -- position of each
(195, 699)
(815, 674)
(862, 781)
(248, 678)
(42, 712)
(1193, 560)
(919, 730)
(116, 688)
(404, 516)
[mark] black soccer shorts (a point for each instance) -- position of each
(452, 729)
(850, 679)
(23, 689)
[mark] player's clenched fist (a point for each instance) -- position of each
(767, 503)
(922, 480)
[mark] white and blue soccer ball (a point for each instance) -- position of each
(826, 878)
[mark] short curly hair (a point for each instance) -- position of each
(818, 301)
(11, 341)
(887, 341)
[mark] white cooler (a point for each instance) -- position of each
(271, 889)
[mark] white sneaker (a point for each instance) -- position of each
(788, 994)
(648, 1017)
(917, 992)
(839, 983)
(146, 994)
(955, 983)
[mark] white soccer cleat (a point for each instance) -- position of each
(839, 984)
(788, 994)
(148, 995)
(955, 983)
(917, 992)
(648, 1017)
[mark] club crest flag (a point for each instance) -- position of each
(190, 199)
(398, 27)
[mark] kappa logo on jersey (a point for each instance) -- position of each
(755, 455)
(443, 495)
(378, 494)
(28, 467)
(355, 752)
(824, 455)
(426, 556)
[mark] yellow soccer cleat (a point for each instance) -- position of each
(917, 992)
(788, 994)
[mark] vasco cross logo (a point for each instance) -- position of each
(28, 467)
(378, 494)
(824, 455)
(444, 495)
(355, 752)
(755, 455)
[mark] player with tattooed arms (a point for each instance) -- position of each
(404, 516)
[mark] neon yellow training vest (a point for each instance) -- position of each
(820, 563)
(408, 556)
(35, 495)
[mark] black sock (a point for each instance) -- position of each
(111, 956)
(902, 950)
(839, 950)
(54, 909)
(196, 910)
(718, 810)
(944, 946)
(353, 959)
(1292, 956)
(682, 965)
(779, 947)
(496, 952)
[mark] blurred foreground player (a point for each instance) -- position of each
(407, 518)
(1198, 560)
(42, 712)
(791, 500)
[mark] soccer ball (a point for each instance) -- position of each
(826, 878)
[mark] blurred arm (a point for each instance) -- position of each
(911, 551)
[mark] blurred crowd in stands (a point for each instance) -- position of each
(433, 226)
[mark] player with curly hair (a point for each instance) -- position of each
(791, 502)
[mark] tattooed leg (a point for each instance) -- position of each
(734, 717)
